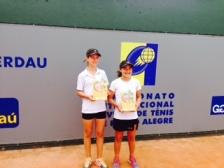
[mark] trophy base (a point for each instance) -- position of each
(100, 97)
(129, 109)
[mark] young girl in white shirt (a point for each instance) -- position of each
(92, 110)
(123, 120)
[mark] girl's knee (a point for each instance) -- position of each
(88, 134)
(100, 134)
(119, 138)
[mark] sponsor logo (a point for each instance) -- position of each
(217, 106)
(20, 62)
(9, 113)
(144, 57)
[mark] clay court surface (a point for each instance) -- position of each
(195, 152)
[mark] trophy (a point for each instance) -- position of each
(128, 101)
(100, 90)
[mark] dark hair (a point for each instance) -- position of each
(91, 52)
(119, 74)
(122, 65)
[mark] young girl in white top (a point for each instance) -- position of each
(125, 121)
(92, 110)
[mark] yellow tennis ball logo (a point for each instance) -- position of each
(147, 55)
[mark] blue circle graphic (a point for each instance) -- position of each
(133, 57)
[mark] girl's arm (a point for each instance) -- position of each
(112, 102)
(138, 99)
(83, 95)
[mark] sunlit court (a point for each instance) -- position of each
(190, 152)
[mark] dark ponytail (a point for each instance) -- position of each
(119, 74)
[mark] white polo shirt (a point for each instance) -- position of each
(119, 87)
(85, 84)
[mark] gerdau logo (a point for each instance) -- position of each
(19, 62)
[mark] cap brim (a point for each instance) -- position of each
(127, 64)
(93, 54)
